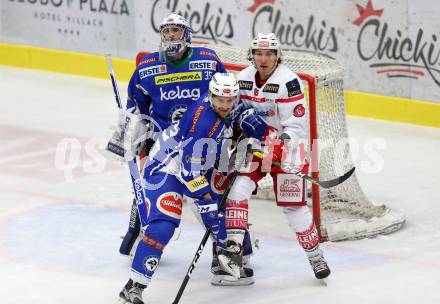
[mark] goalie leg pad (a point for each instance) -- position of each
(149, 250)
(133, 231)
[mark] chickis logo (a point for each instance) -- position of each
(393, 54)
(209, 24)
(314, 35)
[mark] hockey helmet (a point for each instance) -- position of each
(224, 84)
(265, 42)
(172, 48)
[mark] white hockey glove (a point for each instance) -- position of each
(126, 141)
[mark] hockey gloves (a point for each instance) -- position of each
(208, 210)
(252, 124)
(279, 148)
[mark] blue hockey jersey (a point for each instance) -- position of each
(164, 90)
(191, 148)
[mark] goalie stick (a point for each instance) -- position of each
(136, 179)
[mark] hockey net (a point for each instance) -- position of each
(342, 212)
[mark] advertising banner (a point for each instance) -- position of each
(387, 47)
(91, 26)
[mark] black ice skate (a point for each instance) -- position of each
(132, 292)
(319, 265)
(223, 278)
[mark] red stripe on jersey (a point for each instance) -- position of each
(253, 98)
(291, 99)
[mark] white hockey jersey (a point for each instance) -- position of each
(279, 102)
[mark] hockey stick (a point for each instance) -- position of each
(321, 183)
(325, 183)
(136, 179)
(207, 233)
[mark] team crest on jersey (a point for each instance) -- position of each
(245, 85)
(203, 65)
(293, 88)
(150, 263)
(176, 113)
(170, 203)
(299, 111)
(219, 182)
(152, 70)
(177, 77)
(271, 88)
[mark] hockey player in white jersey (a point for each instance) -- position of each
(277, 95)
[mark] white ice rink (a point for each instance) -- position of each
(60, 230)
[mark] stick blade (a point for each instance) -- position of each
(339, 180)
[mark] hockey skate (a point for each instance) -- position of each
(132, 293)
(223, 278)
(318, 263)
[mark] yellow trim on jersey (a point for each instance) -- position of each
(197, 183)
(177, 77)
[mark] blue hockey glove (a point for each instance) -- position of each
(252, 124)
(208, 210)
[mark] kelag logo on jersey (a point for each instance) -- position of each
(178, 77)
(203, 65)
(153, 70)
(179, 93)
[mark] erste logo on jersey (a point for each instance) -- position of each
(203, 65)
(153, 70)
(178, 77)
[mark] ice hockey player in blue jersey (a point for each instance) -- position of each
(183, 162)
(162, 87)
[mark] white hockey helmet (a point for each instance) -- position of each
(172, 48)
(265, 42)
(224, 84)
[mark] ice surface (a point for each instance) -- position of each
(60, 229)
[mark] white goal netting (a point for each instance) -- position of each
(345, 212)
